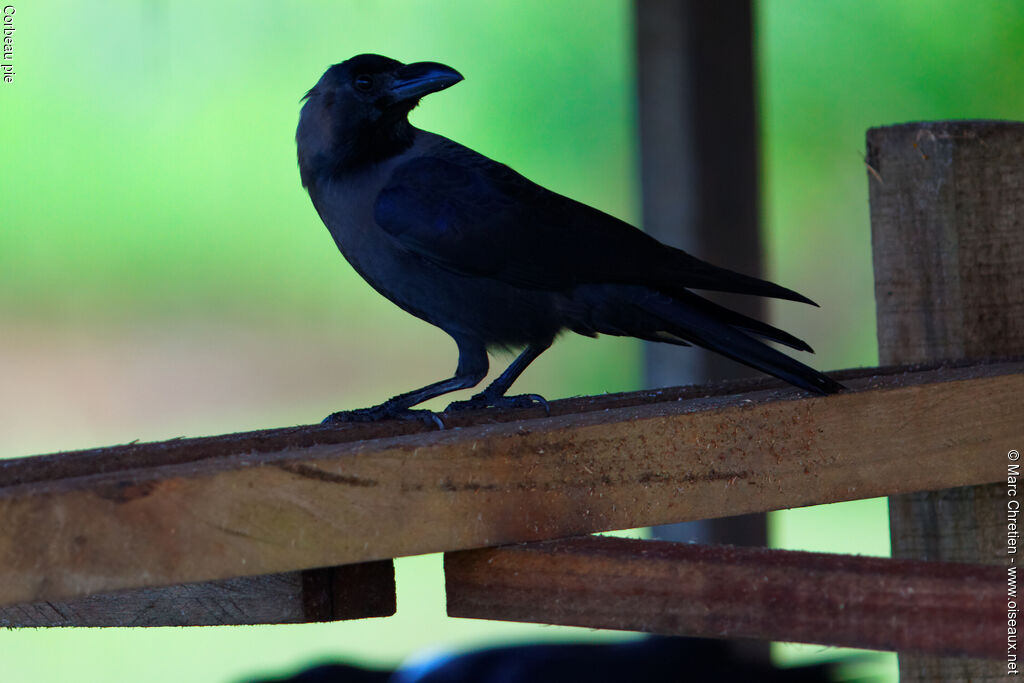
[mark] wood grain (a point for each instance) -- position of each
(947, 233)
(947, 225)
(354, 591)
(732, 592)
(222, 509)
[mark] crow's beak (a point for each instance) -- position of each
(413, 81)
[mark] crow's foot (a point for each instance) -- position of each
(484, 401)
(384, 412)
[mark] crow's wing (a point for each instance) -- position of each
(477, 217)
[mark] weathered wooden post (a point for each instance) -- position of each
(947, 227)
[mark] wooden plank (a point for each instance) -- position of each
(275, 502)
(946, 200)
(732, 592)
(946, 239)
(355, 591)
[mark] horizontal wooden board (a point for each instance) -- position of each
(146, 515)
(729, 592)
(354, 591)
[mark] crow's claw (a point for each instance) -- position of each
(383, 412)
(485, 401)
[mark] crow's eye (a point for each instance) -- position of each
(363, 83)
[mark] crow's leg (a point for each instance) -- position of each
(471, 369)
(494, 394)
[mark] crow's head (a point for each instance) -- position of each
(358, 111)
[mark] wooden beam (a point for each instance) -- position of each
(286, 500)
(946, 200)
(354, 591)
(732, 592)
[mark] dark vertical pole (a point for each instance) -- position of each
(699, 168)
(948, 244)
(699, 155)
(699, 152)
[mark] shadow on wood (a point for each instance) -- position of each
(354, 591)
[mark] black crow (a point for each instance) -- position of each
(493, 259)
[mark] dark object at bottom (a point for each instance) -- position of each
(690, 660)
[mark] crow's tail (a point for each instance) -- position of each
(686, 318)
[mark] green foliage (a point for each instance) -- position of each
(829, 71)
(150, 153)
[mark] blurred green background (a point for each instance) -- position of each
(163, 274)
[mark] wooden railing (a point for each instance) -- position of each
(300, 524)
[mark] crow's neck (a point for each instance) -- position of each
(355, 150)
